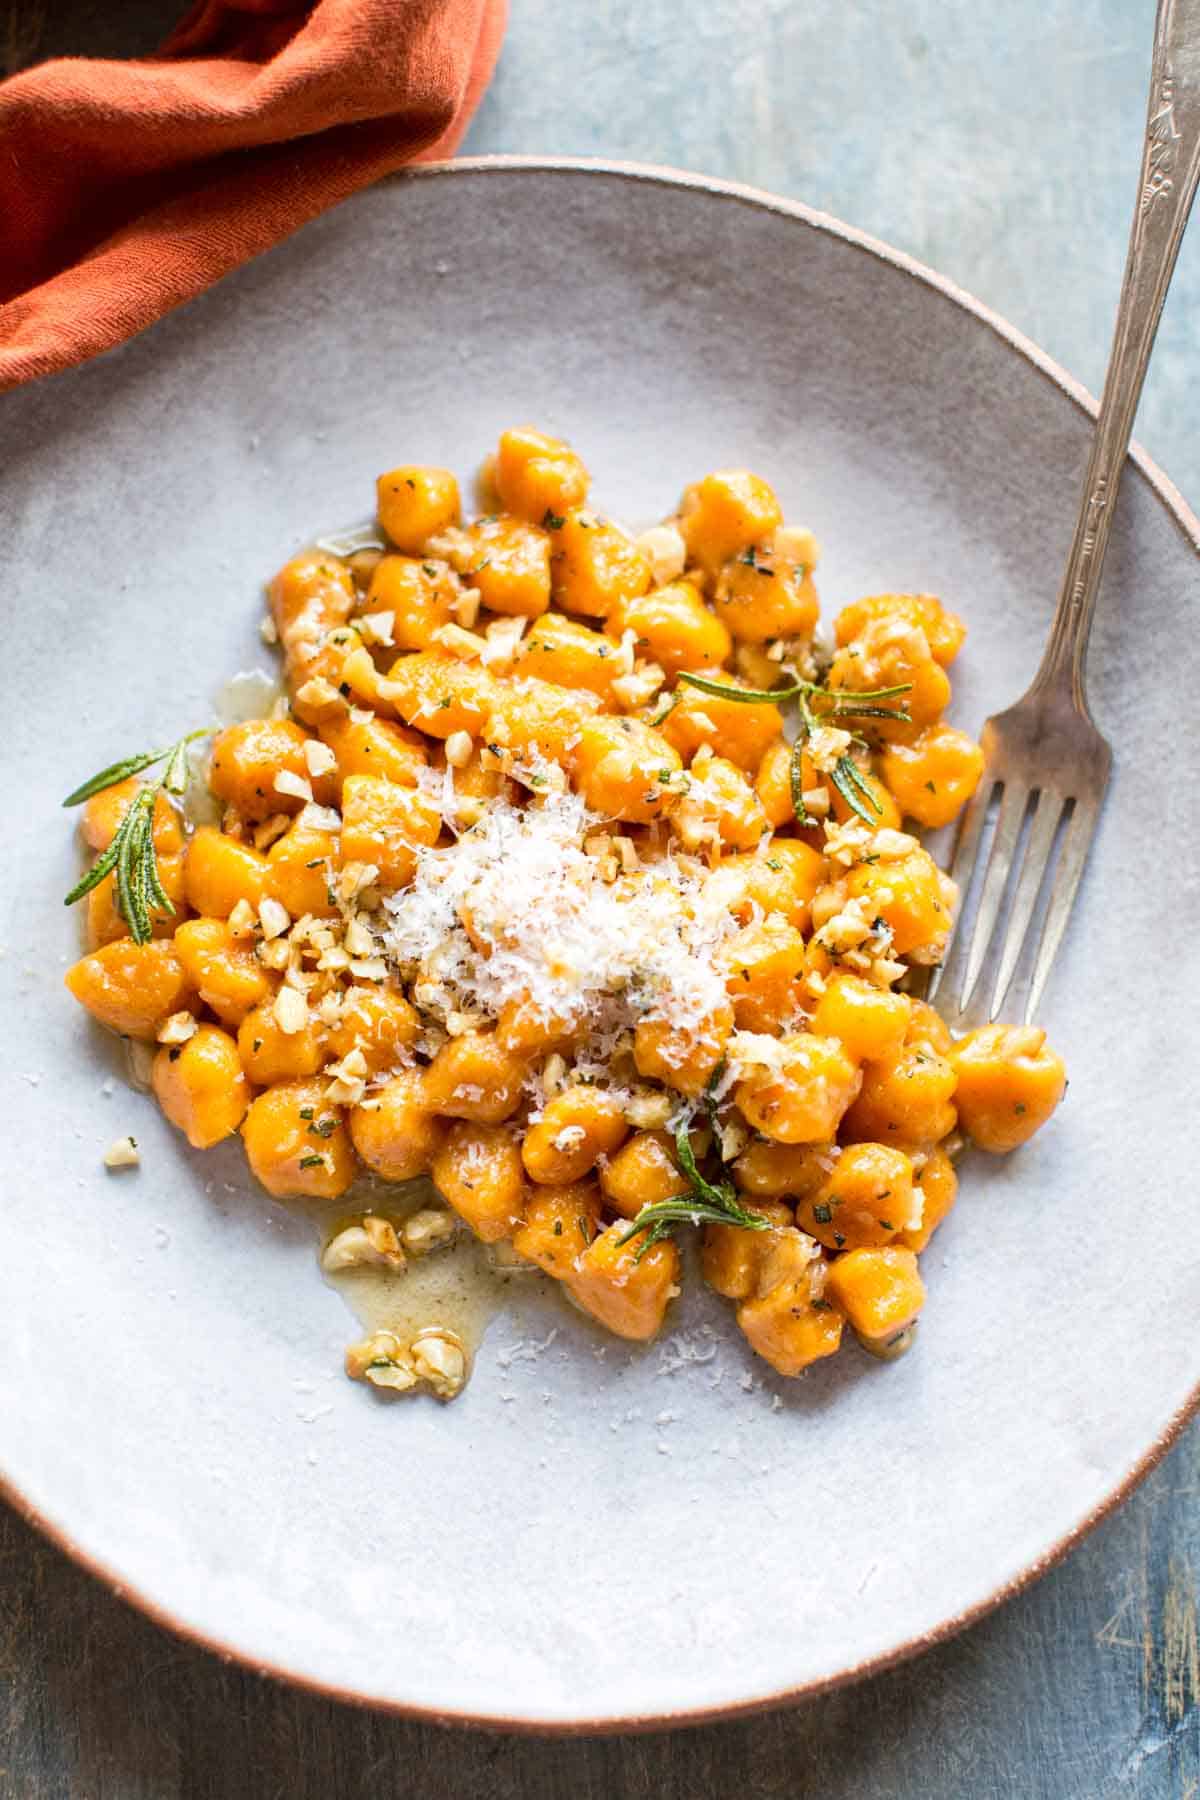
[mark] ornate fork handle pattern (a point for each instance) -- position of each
(1169, 173)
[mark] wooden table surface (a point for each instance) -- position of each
(1000, 145)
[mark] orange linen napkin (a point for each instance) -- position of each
(128, 187)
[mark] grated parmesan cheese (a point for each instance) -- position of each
(517, 911)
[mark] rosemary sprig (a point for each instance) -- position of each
(835, 703)
(843, 702)
(130, 858)
(709, 1203)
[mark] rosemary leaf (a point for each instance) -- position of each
(850, 785)
(743, 696)
(175, 775)
(130, 859)
(126, 898)
(870, 712)
(92, 877)
(118, 771)
(707, 1204)
(883, 693)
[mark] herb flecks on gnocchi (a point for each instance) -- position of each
(572, 874)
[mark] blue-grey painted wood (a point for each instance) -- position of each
(999, 145)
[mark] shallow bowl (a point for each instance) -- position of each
(593, 1535)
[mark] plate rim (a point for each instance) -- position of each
(1188, 523)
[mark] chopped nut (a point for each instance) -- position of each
(891, 845)
(665, 551)
(275, 955)
(295, 786)
(544, 777)
(243, 920)
(468, 646)
(428, 1230)
(639, 688)
(359, 673)
(648, 1111)
(369, 968)
(372, 1242)
(291, 1010)
(825, 745)
(459, 1022)
(274, 918)
(348, 1084)
(846, 929)
(440, 1360)
(270, 829)
(848, 843)
(122, 1155)
(626, 652)
(319, 757)
(465, 606)
(330, 1009)
(377, 627)
(382, 1360)
(317, 692)
(267, 629)
(885, 969)
(177, 1029)
(459, 746)
(554, 1073)
(333, 959)
(796, 545)
(627, 851)
(500, 641)
(354, 877)
(816, 801)
(826, 902)
(358, 939)
(733, 1136)
(319, 818)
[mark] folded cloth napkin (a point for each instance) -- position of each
(128, 187)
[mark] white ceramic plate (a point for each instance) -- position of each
(592, 1534)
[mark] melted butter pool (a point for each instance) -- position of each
(460, 1287)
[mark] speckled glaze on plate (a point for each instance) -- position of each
(592, 1535)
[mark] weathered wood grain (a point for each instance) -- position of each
(1000, 145)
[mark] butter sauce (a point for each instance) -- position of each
(460, 1286)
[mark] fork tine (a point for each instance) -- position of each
(1062, 897)
(1042, 828)
(965, 848)
(1008, 830)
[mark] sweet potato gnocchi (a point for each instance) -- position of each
(572, 876)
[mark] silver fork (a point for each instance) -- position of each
(1046, 766)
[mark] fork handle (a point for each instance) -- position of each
(1166, 188)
